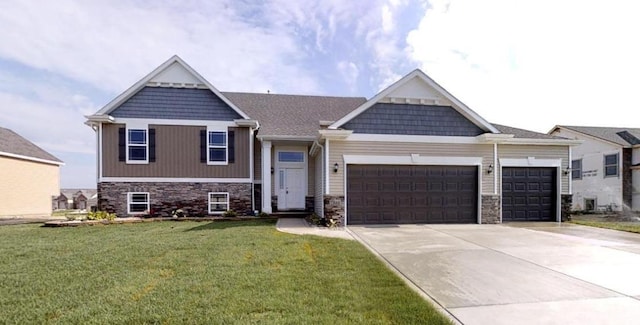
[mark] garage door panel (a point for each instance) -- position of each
(528, 193)
(413, 194)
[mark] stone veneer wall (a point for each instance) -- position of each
(165, 198)
(490, 209)
(565, 207)
(334, 208)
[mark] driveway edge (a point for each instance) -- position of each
(406, 280)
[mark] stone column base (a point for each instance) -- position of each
(490, 209)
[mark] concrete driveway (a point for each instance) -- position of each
(530, 273)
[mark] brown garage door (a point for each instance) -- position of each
(528, 194)
(383, 194)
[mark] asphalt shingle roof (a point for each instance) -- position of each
(11, 142)
(524, 134)
(293, 115)
(621, 136)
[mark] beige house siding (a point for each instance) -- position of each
(538, 152)
(339, 148)
(177, 155)
(26, 187)
(311, 174)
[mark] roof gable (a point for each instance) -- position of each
(15, 146)
(624, 137)
(418, 89)
(172, 73)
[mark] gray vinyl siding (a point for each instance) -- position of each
(339, 148)
(177, 155)
(176, 103)
(319, 181)
(411, 119)
(538, 152)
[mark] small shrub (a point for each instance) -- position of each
(101, 215)
(263, 215)
(229, 214)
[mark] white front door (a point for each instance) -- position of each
(291, 191)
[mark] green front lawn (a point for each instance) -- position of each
(196, 272)
(623, 226)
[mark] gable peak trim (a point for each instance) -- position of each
(417, 73)
(145, 81)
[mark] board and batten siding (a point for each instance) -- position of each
(538, 152)
(177, 154)
(257, 160)
(340, 148)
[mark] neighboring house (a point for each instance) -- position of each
(605, 168)
(75, 199)
(411, 154)
(29, 176)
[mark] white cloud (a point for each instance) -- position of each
(350, 73)
(534, 64)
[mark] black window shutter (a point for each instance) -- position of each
(231, 146)
(203, 146)
(152, 145)
(122, 145)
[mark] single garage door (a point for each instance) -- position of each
(383, 194)
(528, 194)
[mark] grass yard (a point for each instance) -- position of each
(196, 272)
(623, 226)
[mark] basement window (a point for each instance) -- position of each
(137, 202)
(218, 202)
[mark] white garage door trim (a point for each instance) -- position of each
(413, 159)
(533, 162)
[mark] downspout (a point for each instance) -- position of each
(495, 168)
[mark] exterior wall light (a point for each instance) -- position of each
(566, 171)
(490, 169)
(335, 167)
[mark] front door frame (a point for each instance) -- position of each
(284, 165)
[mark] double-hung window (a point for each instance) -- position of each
(217, 149)
(218, 202)
(576, 169)
(137, 145)
(611, 165)
(137, 202)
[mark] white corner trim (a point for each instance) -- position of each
(413, 159)
(173, 180)
(45, 161)
(412, 138)
(530, 162)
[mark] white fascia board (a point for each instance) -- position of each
(173, 180)
(458, 105)
(334, 134)
(99, 118)
(286, 138)
(132, 121)
(413, 159)
(412, 138)
(247, 123)
(551, 142)
(530, 162)
(44, 161)
(142, 82)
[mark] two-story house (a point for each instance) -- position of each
(411, 154)
(605, 168)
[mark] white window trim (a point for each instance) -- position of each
(137, 126)
(226, 194)
(130, 194)
(604, 164)
(226, 146)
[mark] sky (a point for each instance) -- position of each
(526, 64)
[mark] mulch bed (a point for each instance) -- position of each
(79, 223)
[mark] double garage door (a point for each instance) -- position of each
(381, 194)
(384, 194)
